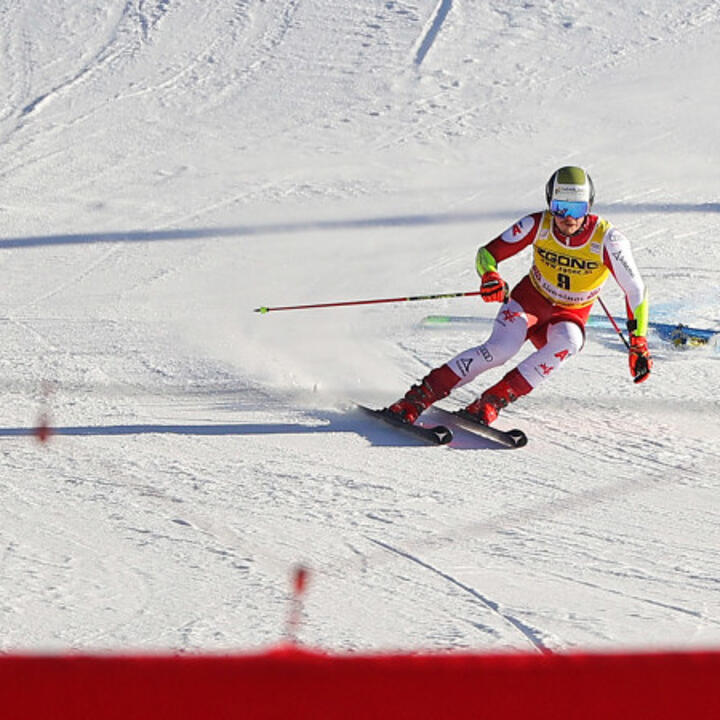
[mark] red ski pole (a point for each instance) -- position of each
(613, 323)
(367, 302)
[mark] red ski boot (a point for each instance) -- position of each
(433, 387)
(486, 408)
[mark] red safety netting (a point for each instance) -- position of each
(292, 683)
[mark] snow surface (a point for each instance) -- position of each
(169, 165)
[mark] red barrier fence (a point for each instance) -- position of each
(292, 683)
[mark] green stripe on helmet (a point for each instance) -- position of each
(571, 176)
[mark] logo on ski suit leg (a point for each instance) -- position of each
(463, 365)
(509, 315)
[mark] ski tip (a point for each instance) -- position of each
(518, 437)
(438, 434)
(443, 434)
(262, 310)
(514, 438)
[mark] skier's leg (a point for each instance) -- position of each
(564, 339)
(508, 335)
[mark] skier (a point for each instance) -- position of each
(574, 252)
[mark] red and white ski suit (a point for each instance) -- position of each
(551, 304)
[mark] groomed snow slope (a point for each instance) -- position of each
(168, 165)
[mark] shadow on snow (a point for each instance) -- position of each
(240, 231)
(375, 432)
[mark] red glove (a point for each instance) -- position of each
(493, 288)
(640, 361)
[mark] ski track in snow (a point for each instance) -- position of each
(530, 634)
(687, 21)
(108, 52)
(431, 34)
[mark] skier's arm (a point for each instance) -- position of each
(493, 288)
(512, 241)
(619, 258)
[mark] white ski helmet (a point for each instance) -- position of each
(570, 191)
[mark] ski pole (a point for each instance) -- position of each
(613, 323)
(412, 298)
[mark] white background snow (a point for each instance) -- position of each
(167, 166)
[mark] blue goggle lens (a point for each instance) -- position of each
(562, 208)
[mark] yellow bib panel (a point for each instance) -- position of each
(569, 276)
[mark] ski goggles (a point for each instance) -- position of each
(564, 208)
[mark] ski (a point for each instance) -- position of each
(676, 334)
(509, 438)
(437, 435)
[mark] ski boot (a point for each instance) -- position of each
(486, 408)
(433, 387)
